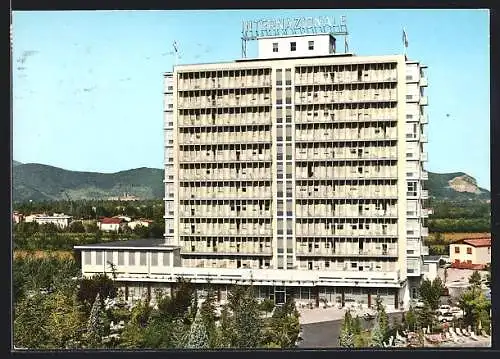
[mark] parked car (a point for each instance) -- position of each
(446, 317)
(457, 312)
(443, 309)
(419, 305)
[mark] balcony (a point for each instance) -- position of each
(366, 254)
(424, 232)
(423, 157)
(424, 119)
(423, 101)
(423, 138)
(425, 250)
(424, 194)
(423, 82)
(424, 175)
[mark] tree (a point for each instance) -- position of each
(141, 231)
(207, 313)
(284, 326)
(346, 338)
(99, 284)
(377, 337)
(64, 320)
(76, 227)
(430, 292)
(95, 325)
(247, 324)
(382, 317)
(198, 336)
(411, 319)
(475, 279)
(30, 324)
(474, 304)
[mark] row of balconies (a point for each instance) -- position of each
(248, 155)
(224, 101)
(342, 134)
(327, 210)
(225, 83)
(361, 153)
(211, 229)
(318, 229)
(216, 263)
(368, 191)
(347, 98)
(330, 116)
(320, 78)
(222, 211)
(305, 252)
(226, 174)
(225, 119)
(225, 137)
(348, 172)
(226, 192)
(249, 247)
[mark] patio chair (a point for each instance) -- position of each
(455, 338)
(458, 332)
(473, 336)
(465, 333)
(484, 334)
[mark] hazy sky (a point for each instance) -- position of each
(88, 84)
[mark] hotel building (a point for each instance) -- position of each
(300, 171)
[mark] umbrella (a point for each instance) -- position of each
(479, 326)
(429, 329)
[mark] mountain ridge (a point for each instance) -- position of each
(38, 182)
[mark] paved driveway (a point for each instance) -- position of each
(325, 334)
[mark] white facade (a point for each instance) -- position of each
(296, 46)
(60, 220)
(297, 172)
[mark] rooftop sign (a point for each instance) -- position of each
(254, 29)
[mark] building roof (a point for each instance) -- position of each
(156, 243)
(478, 242)
(111, 220)
(432, 258)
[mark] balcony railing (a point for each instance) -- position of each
(423, 101)
(424, 194)
(423, 82)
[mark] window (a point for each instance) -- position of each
(288, 77)
(170, 88)
(142, 258)
(121, 258)
(327, 263)
(131, 259)
(279, 75)
(87, 259)
(469, 250)
(154, 259)
(98, 258)
(457, 249)
(275, 47)
(293, 46)
(412, 189)
(310, 45)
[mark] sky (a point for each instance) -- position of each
(87, 85)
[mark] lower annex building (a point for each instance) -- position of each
(300, 172)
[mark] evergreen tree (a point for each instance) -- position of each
(377, 337)
(95, 324)
(346, 338)
(248, 325)
(207, 312)
(198, 337)
(475, 278)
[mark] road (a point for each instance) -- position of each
(325, 334)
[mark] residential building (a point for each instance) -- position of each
(139, 222)
(111, 224)
(300, 171)
(59, 219)
(471, 253)
(17, 217)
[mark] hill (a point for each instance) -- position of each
(455, 186)
(39, 182)
(16, 163)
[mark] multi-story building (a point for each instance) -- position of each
(471, 253)
(300, 171)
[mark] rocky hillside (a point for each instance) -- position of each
(455, 186)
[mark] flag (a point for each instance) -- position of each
(405, 38)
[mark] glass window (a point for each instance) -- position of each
(288, 94)
(310, 45)
(279, 77)
(457, 249)
(469, 250)
(142, 258)
(279, 96)
(275, 47)
(121, 258)
(293, 46)
(166, 259)
(154, 258)
(98, 258)
(87, 258)
(288, 77)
